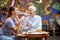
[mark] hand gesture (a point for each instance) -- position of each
(22, 19)
(30, 26)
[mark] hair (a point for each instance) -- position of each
(32, 7)
(29, 4)
(10, 11)
(4, 9)
(58, 12)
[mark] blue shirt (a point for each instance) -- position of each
(9, 23)
(36, 21)
(1, 16)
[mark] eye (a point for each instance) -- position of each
(29, 10)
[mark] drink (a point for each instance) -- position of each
(38, 30)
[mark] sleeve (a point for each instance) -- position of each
(11, 24)
(25, 24)
(40, 23)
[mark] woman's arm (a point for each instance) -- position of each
(19, 25)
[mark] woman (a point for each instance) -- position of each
(11, 25)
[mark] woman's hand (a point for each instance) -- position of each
(22, 19)
(20, 26)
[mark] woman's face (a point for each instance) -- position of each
(31, 12)
(14, 13)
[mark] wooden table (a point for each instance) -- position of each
(43, 35)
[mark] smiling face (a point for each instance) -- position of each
(31, 10)
(14, 13)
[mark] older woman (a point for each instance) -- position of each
(33, 22)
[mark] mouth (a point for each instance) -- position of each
(31, 13)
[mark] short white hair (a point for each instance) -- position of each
(32, 7)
